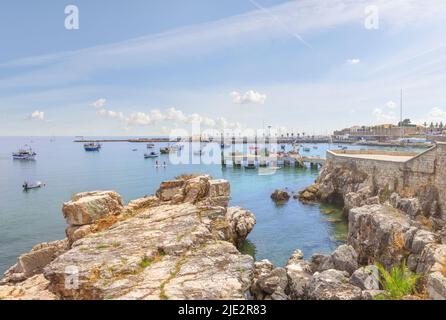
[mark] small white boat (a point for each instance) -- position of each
(24, 154)
(32, 185)
(307, 149)
(152, 154)
(150, 146)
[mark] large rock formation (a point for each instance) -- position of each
(179, 244)
(387, 224)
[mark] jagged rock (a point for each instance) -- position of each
(321, 262)
(331, 285)
(421, 239)
(33, 288)
(241, 223)
(366, 278)
(33, 262)
(377, 232)
(308, 195)
(271, 286)
(169, 189)
(196, 189)
(142, 203)
(431, 259)
(88, 207)
(262, 268)
(372, 294)
(299, 274)
(436, 286)
(75, 233)
(296, 257)
(167, 251)
(280, 196)
(345, 258)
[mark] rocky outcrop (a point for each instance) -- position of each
(33, 262)
(33, 288)
(88, 207)
(280, 196)
(166, 252)
(388, 224)
(179, 244)
(332, 285)
(241, 222)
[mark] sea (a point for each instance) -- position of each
(34, 216)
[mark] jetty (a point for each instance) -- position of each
(287, 159)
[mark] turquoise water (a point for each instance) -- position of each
(28, 218)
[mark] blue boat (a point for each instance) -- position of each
(92, 146)
(151, 155)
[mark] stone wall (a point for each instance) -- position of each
(421, 176)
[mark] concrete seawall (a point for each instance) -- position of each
(401, 172)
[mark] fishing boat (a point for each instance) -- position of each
(314, 147)
(152, 154)
(32, 185)
(150, 146)
(306, 149)
(24, 154)
(92, 146)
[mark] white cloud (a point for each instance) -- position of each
(37, 115)
(100, 103)
(353, 61)
(171, 115)
(437, 113)
(382, 116)
(391, 105)
(250, 96)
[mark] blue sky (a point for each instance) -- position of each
(146, 67)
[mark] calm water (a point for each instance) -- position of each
(28, 218)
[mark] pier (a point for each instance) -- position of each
(273, 160)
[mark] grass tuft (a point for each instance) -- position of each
(397, 283)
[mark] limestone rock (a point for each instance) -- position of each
(280, 196)
(271, 286)
(421, 239)
(142, 203)
(163, 252)
(321, 262)
(345, 258)
(241, 223)
(75, 233)
(88, 207)
(366, 278)
(436, 286)
(33, 288)
(299, 274)
(377, 232)
(332, 285)
(33, 262)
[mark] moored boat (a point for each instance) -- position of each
(24, 154)
(152, 154)
(92, 146)
(32, 185)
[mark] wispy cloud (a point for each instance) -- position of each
(353, 61)
(172, 116)
(36, 115)
(250, 96)
(302, 17)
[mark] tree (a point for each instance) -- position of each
(404, 123)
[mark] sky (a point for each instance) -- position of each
(145, 67)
